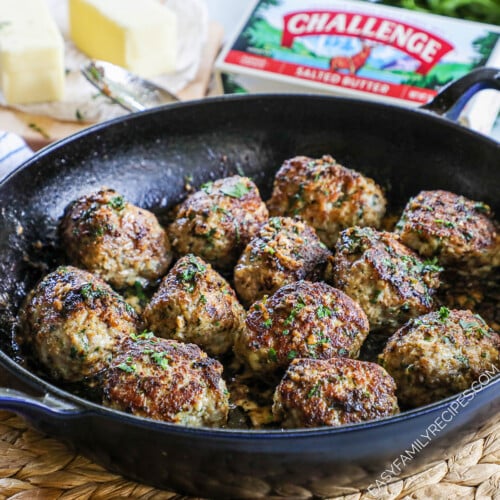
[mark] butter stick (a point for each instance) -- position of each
(31, 53)
(140, 35)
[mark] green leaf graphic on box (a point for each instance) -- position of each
(261, 35)
(484, 47)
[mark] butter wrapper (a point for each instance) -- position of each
(355, 48)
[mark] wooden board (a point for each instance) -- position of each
(38, 131)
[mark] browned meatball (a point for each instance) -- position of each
(458, 231)
(167, 380)
(440, 354)
(328, 196)
(196, 304)
(285, 250)
(388, 280)
(218, 221)
(115, 240)
(333, 392)
(301, 320)
(74, 323)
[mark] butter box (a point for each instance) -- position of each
(355, 48)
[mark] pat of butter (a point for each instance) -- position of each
(31, 53)
(140, 35)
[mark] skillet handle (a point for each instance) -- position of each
(29, 405)
(453, 97)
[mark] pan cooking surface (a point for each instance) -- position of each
(149, 158)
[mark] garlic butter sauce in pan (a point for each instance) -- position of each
(148, 157)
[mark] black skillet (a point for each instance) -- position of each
(146, 156)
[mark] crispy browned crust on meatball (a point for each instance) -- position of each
(75, 323)
(301, 320)
(167, 380)
(440, 354)
(218, 221)
(388, 280)
(333, 392)
(284, 250)
(458, 231)
(326, 195)
(115, 240)
(196, 304)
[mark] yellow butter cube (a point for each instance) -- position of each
(140, 35)
(31, 53)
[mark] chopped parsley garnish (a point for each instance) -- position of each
(267, 323)
(443, 312)
(431, 265)
(295, 310)
(446, 223)
(88, 292)
(343, 351)
(187, 275)
(239, 190)
(199, 266)
(275, 223)
(207, 187)
(272, 355)
(463, 359)
(160, 358)
(315, 390)
(323, 312)
(292, 354)
(127, 367)
(145, 335)
(117, 202)
(139, 293)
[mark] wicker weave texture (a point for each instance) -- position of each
(35, 466)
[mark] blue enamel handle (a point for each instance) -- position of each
(27, 404)
(452, 99)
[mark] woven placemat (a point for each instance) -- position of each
(35, 466)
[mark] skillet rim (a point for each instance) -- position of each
(86, 408)
(264, 96)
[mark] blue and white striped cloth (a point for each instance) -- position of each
(13, 152)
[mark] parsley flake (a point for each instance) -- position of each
(323, 312)
(239, 190)
(444, 312)
(160, 358)
(117, 202)
(272, 355)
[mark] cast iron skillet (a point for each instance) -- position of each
(146, 157)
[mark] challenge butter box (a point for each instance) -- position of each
(359, 49)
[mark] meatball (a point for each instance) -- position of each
(328, 196)
(75, 323)
(115, 240)
(388, 280)
(167, 380)
(218, 221)
(337, 391)
(301, 320)
(195, 304)
(285, 250)
(457, 231)
(440, 354)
